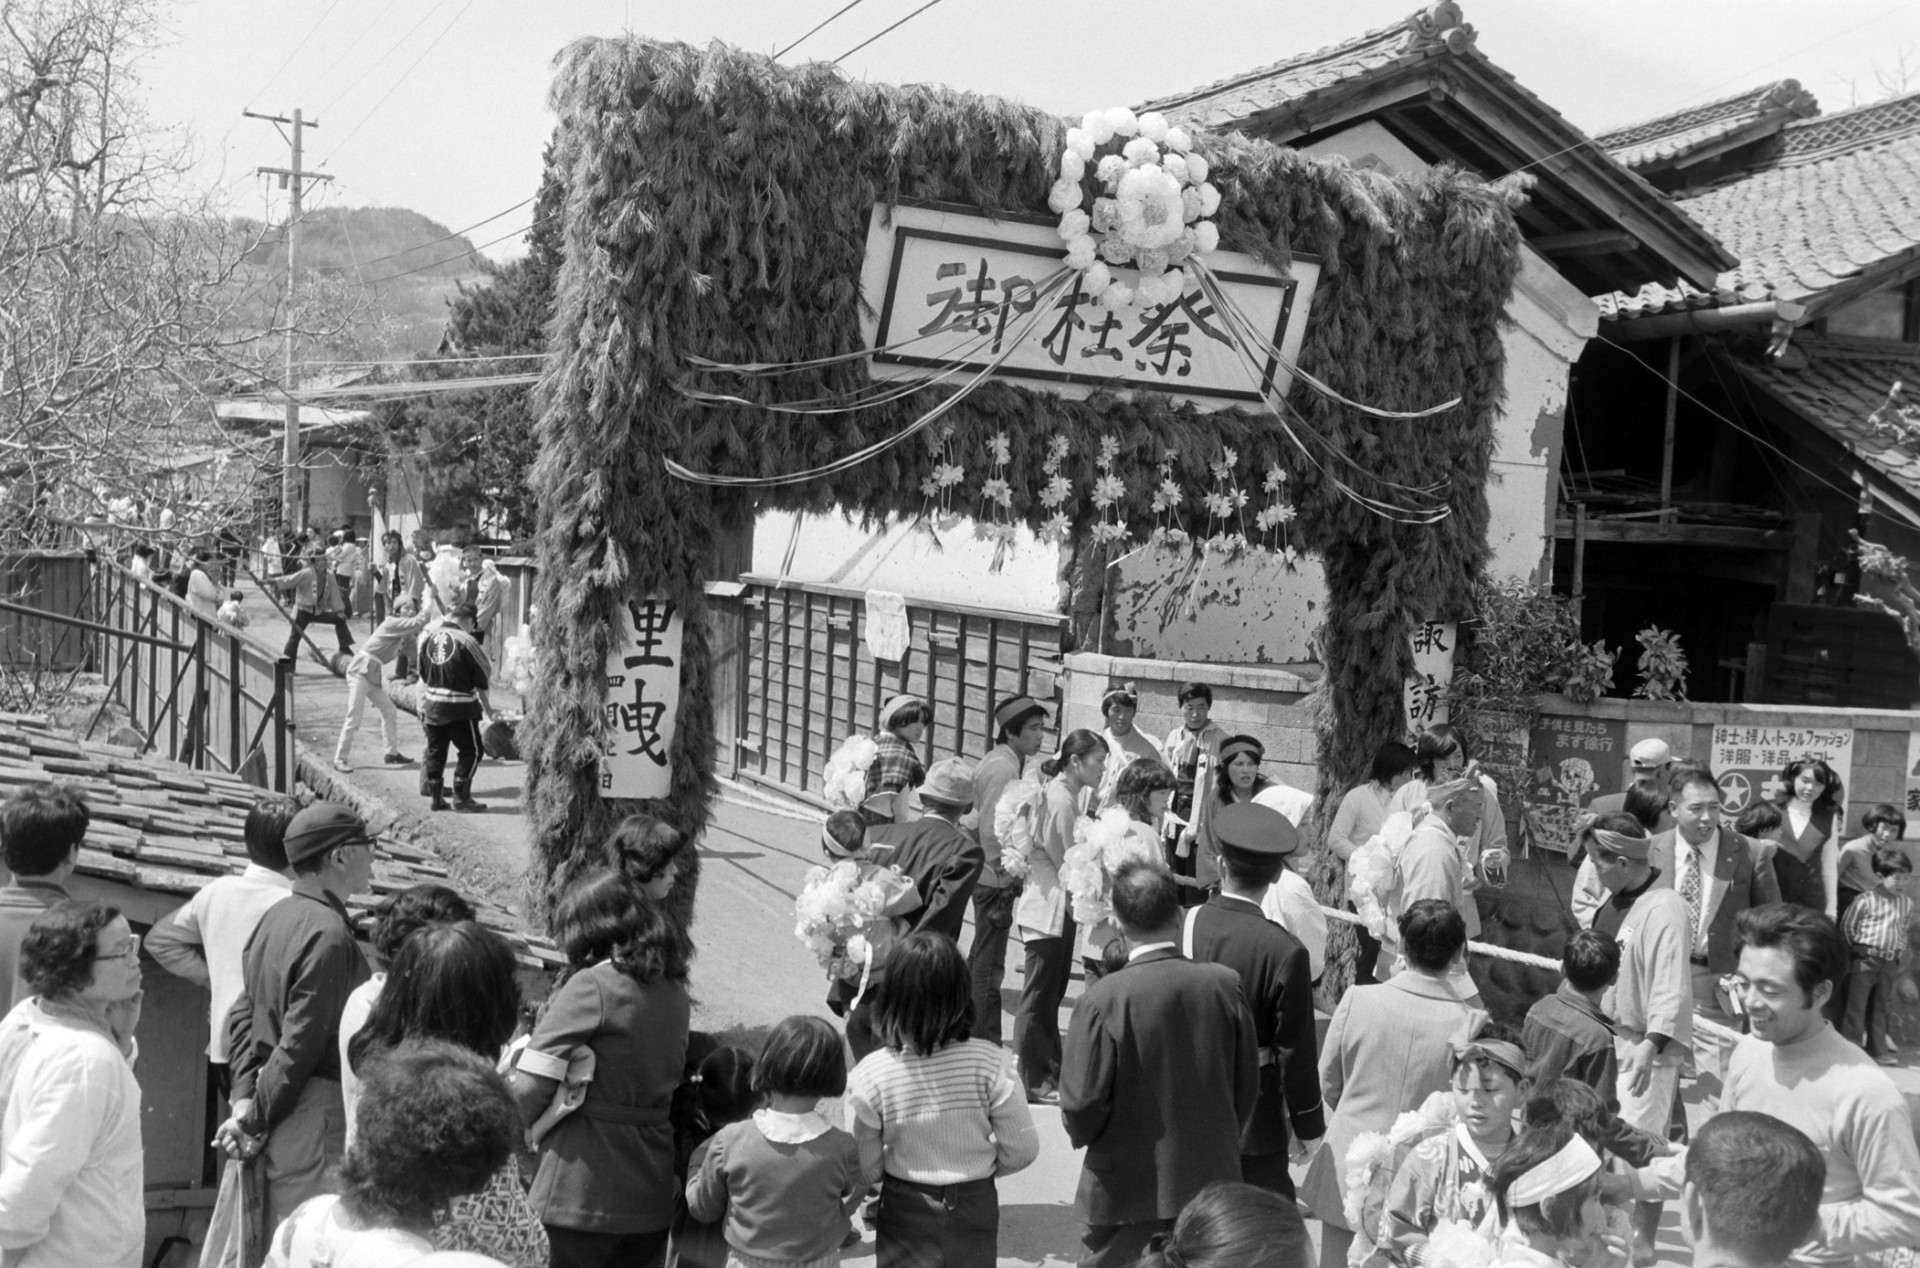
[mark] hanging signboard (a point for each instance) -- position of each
(643, 700)
(1572, 761)
(1750, 759)
(945, 286)
(1432, 675)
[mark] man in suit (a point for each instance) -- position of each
(1720, 874)
(1160, 1074)
(942, 862)
(1276, 981)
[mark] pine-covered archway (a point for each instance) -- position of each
(717, 207)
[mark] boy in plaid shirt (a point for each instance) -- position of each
(1876, 928)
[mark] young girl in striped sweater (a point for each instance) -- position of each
(937, 1115)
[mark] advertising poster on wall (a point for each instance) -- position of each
(1751, 759)
(1572, 761)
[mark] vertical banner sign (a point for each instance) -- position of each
(1751, 759)
(1432, 675)
(643, 700)
(1913, 774)
(1572, 761)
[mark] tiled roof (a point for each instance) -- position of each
(1833, 198)
(1435, 31)
(160, 826)
(1227, 103)
(1841, 385)
(1671, 136)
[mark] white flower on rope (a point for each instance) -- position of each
(1279, 512)
(996, 504)
(1108, 490)
(1226, 525)
(1168, 529)
(1053, 497)
(1150, 209)
(940, 483)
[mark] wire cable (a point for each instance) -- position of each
(1711, 89)
(854, 4)
(458, 233)
(1850, 494)
(395, 86)
(391, 50)
(278, 70)
(450, 259)
(896, 26)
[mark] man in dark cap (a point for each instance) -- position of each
(1275, 979)
(454, 671)
(299, 967)
(943, 863)
(1020, 726)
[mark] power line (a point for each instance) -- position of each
(278, 70)
(1751, 435)
(896, 26)
(450, 259)
(458, 233)
(391, 50)
(395, 86)
(854, 4)
(1710, 89)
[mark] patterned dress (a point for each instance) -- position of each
(1444, 1177)
(496, 1221)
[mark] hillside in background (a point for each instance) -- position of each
(390, 265)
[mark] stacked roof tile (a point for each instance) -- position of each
(1841, 385)
(1674, 136)
(1826, 203)
(160, 826)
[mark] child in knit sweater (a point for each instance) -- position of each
(786, 1180)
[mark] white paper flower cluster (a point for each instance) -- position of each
(1150, 208)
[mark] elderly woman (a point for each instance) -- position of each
(605, 1186)
(436, 1124)
(71, 1175)
(1388, 1048)
(454, 983)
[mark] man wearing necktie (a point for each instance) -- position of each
(1720, 874)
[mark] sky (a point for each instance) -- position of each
(440, 105)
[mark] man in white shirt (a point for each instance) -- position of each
(203, 939)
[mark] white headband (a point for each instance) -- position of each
(1573, 1164)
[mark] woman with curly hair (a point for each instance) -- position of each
(71, 1176)
(436, 1124)
(1144, 790)
(454, 983)
(605, 1187)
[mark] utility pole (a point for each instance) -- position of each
(293, 511)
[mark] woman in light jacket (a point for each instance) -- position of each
(1045, 911)
(72, 1173)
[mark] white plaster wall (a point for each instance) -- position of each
(838, 551)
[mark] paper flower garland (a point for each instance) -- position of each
(939, 485)
(1108, 489)
(1274, 518)
(1149, 208)
(1054, 496)
(1168, 529)
(996, 504)
(1226, 527)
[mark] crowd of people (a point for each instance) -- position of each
(426, 1108)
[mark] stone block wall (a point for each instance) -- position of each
(1266, 702)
